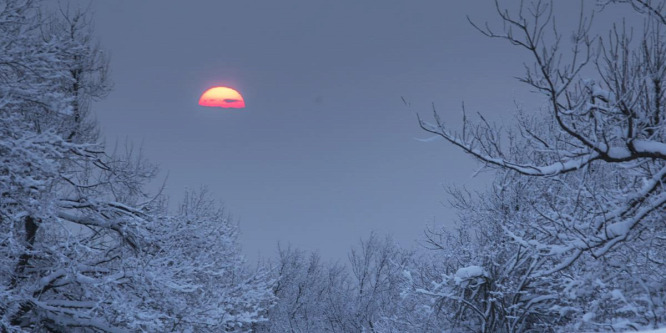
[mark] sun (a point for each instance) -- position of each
(222, 97)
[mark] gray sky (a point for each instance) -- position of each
(325, 151)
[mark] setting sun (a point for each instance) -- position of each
(222, 97)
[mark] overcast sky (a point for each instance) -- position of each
(325, 151)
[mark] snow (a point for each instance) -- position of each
(468, 273)
(618, 153)
(588, 316)
(659, 330)
(651, 147)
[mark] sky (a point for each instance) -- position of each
(325, 151)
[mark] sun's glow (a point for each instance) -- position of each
(222, 97)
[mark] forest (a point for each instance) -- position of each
(569, 237)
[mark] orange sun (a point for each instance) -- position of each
(222, 97)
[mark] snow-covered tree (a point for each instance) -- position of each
(83, 248)
(84, 67)
(485, 280)
(377, 267)
(310, 294)
(193, 272)
(593, 164)
(365, 296)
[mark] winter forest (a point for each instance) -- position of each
(569, 237)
